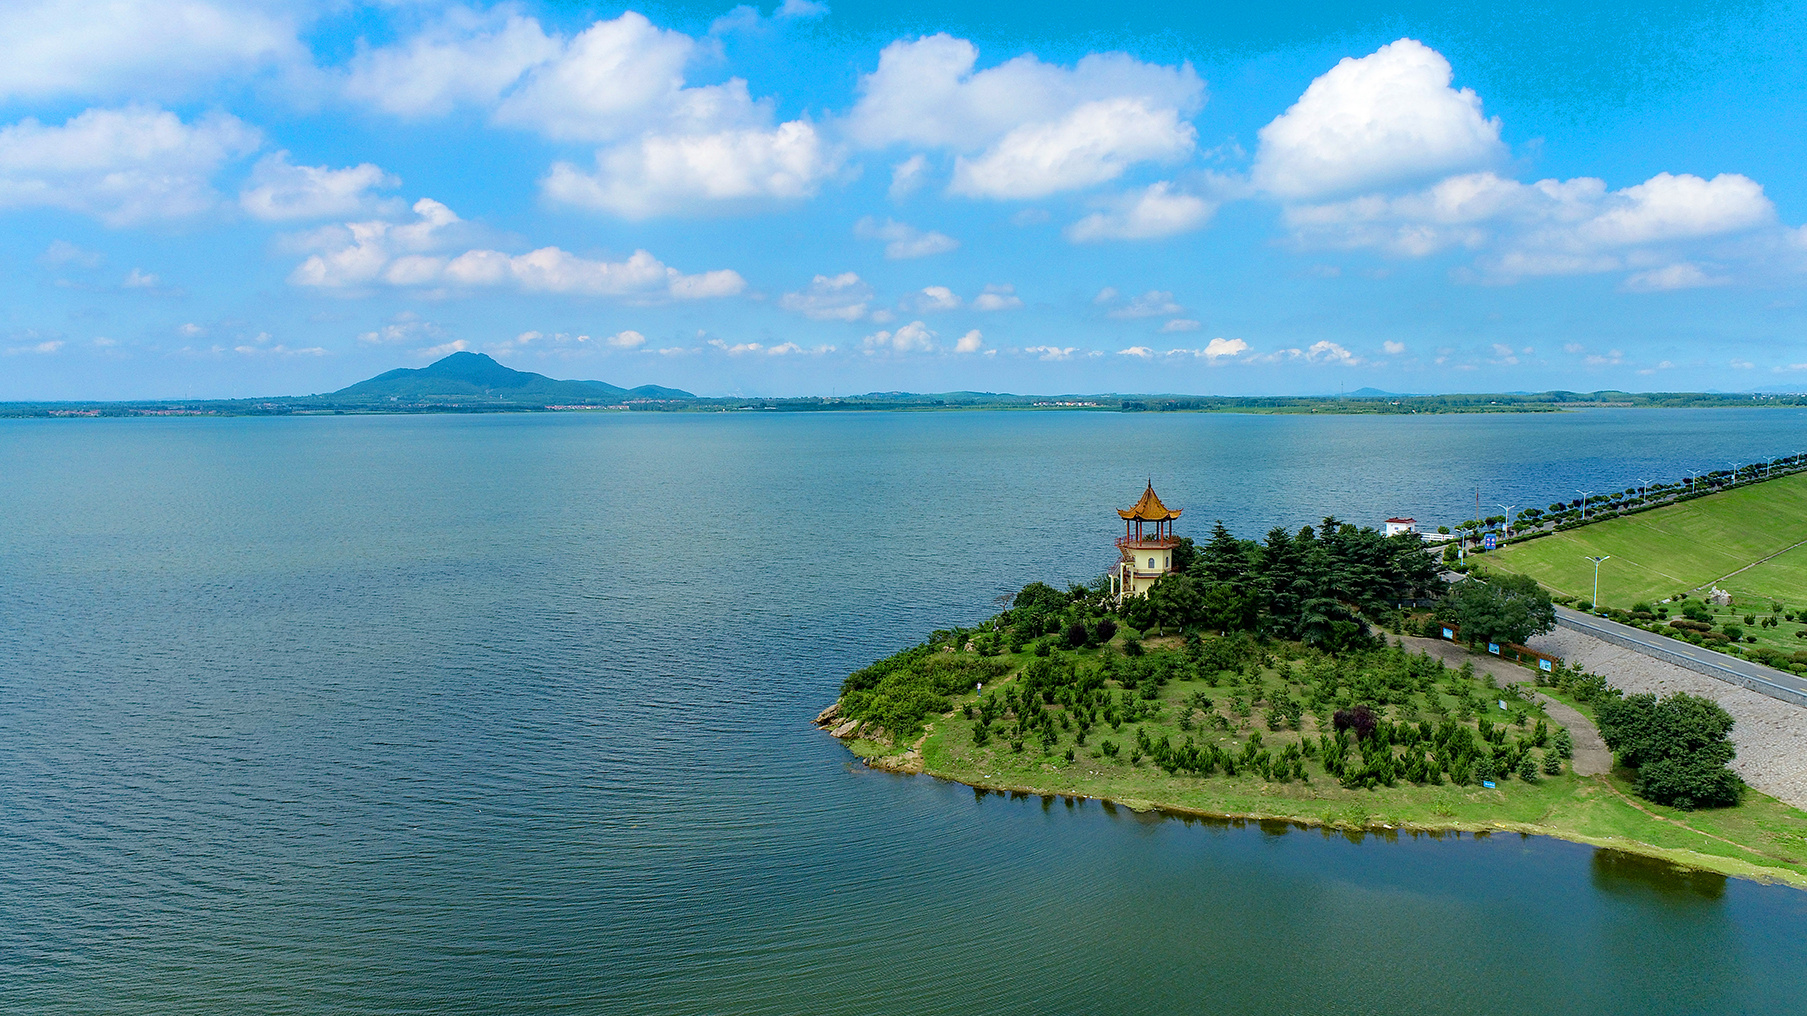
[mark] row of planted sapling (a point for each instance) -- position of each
(1228, 705)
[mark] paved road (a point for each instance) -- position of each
(1755, 676)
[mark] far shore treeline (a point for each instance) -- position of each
(466, 382)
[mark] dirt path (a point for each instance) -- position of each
(1770, 735)
(1591, 754)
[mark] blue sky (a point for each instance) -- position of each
(208, 199)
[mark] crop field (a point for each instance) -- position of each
(1750, 541)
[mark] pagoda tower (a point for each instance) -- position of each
(1146, 545)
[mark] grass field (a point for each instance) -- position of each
(1686, 547)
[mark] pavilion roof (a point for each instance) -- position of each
(1150, 508)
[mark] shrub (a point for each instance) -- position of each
(1734, 632)
(1552, 765)
(1359, 719)
(1109, 747)
(1527, 768)
(1106, 630)
(1678, 745)
(1077, 636)
(1133, 647)
(900, 691)
(1563, 744)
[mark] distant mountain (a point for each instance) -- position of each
(476, 379)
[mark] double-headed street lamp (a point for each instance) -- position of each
(1508, 508)
(1597, 560)
(1585, 494)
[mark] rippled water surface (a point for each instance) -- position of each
(509, 714)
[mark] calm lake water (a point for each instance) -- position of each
(510, 714)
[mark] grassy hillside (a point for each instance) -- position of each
(1683, 547)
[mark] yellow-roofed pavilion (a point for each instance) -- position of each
(1146, 545)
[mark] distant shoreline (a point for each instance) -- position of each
(1433, 405)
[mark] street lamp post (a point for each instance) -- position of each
(1585, 494)
(1508, 508)
(1597, 560)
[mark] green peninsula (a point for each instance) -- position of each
(1262, 695)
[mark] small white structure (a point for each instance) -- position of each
(1397, 526)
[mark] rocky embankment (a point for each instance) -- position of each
(880, 753)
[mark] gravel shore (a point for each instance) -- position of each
(1771, 736)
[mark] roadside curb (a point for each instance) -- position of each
(1652, 647)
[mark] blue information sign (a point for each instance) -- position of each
(1491, 541)
(1543, 664)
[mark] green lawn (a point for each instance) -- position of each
(1677, 548)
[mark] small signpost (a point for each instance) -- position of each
(1487, 783)
(1494, 648)
(1491, 541)
(1448, 634)
(1543, 665)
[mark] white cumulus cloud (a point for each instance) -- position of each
(1154, 303)
(1155, 211)
(1093, 144)
(1371, 122)
(997, 297)
(908, 176)
(1213, 351)
(1682, 275)
(1551, 227)
(914, 337)
(842, 297)
(138, 48)
(934, 298)
(466, 58)
(665, 146)
(904, 241)
(1025, 128)
(121, 166)
(971, 342)
(278, 190)
(414, 254)
(663, 174)
(926, 92)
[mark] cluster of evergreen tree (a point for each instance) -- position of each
(900, 691)
(1679, 745)
(1056, 693)
(1497, 608)
(1313, 586)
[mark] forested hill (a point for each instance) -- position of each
(473, 378)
